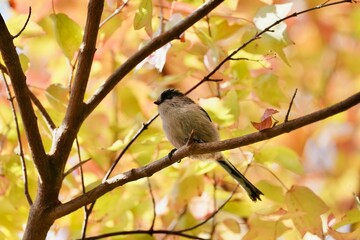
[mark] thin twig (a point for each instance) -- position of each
(137, 232)
(112, 167)
(268, 29)
(51, 125)
(80, 165)
(207, 19)
(150, 47)
(213, 222)
(153, 204)
(213, 214)
(21, 150)
(143, 128)
(174, 223)
(86, 212)
(116, 12)
(75, 167)
(26, 23)
(290, 105)
(170, 232)
(205, 79)
(73, 67)
(274, 175)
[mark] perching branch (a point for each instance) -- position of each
(202, 148)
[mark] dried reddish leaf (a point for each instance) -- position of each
(268, 113)
(266, 119)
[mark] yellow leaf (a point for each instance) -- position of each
(68, 34)
(309, 206)
(143, 16)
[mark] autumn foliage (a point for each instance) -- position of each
(242, 62)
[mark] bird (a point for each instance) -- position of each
(181, 118)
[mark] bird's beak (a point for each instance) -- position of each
(157, 102)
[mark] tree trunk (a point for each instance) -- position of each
(40, 218)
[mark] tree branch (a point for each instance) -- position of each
(25, 24)
(268, 29)
(140, 55)
(201, 148)
(50, 123)
(87, 51)
(18, 80)
(136, 232)
(66, 133)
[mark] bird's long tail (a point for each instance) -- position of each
(252, 191)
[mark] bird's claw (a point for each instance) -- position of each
(171, 153)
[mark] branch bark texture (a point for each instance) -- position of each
(18, 81)
(201, 148)
(154, 44)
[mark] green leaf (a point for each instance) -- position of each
(276, 39)
(283, 156)
(57, 95)
(268, 90)
(266, 229)
(231, 101)
(351, 217)
(271, 191)
(24, 61)
(68, 34)
(186, 188)
(116, 146)
(217, 111)
(143, 16)
(309, 207)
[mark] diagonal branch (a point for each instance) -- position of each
(140, 55)
(201, 148)
(18, 81)
(87, 51)
(269, 29)
(66, 133)
(50, 123)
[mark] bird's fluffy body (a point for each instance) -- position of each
(181, 116)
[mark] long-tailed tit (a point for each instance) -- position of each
(181, 116)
